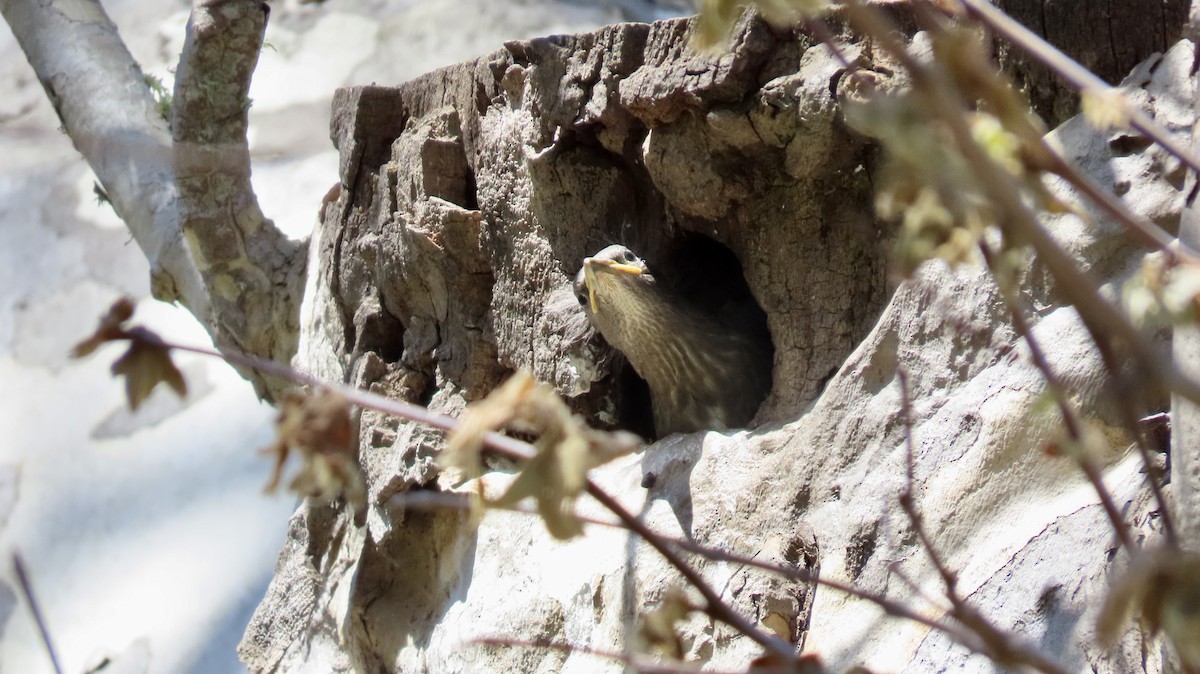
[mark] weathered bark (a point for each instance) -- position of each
(469, 198)
(253, 274)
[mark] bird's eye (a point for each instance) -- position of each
(628, 257)
(580, 288)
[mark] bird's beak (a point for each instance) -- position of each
(611, 266)
(591, 266)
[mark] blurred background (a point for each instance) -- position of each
(146, 535)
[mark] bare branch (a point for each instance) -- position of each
(186, 199)
(967, 638)
(1073, 72)
(1070, 419)
(253, 272)
(106, 108)
(999, 645)
(713, 604)
(38, 619)
(424, 500)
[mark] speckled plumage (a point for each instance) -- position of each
(704, 370)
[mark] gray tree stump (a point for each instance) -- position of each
(469, 198)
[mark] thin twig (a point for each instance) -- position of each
(916, 589)
(888, 606)
(967, 639)
(642, 665)
(38, 619)
(1058, 390)
(1140, 227)
(714, 607)
(512, 448)
(1129, 418)
(907, 498)
(999, 645)
(1071, 71)
(423, 500)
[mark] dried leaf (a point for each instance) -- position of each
(109, 329)
(145, 365)
(1161, 588)
(493, 412)
(320, 428)
(1105, 108)
(714, 23)
(566, 449)
(659, 629)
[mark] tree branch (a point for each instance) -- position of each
(1071, 71)
(186, 197)
(106, 108)
(1072, 424)
(253, 272)
(1000, 646)
(1104, 321)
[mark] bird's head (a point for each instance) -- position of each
(611, 276)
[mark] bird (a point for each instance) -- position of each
(706, 367)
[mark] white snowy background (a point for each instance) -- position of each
(147, 536)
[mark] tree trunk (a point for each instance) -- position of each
(469, 198)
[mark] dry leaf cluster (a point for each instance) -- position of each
(1162, 590)
(319, 427)
(566, 448)
(1164, 291)
(144, 365)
